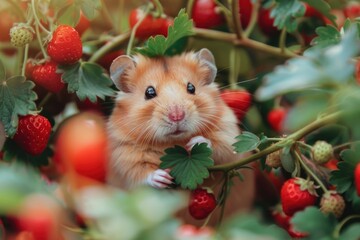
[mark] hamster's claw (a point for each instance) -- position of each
(197, 139)
(159, 178)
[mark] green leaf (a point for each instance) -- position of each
(17, 98)
(321, 226)
(90, 8)
(343, 178)
(158, 45)
(352, 232)
(287, 160)
(247, 141)
(323, 7)
(87, 80)
(285, 14)
(317, 69)
(250, 227)
(69, 15)
(189, 170)
(327, 35)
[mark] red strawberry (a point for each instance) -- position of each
(202, 203)
(297, 194)
(65, 46)
(83, 24)
(276, 118)
(45, 75)
(238, 100)
(357, 178)
(283, 221)
(33, 133)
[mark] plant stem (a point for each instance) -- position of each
(282, 43)
(253, 19)
(235, 8)
(189, 7)
(110, 45)
(224, 192)
(133, 31)
(37, 21)
(331, 118)
(26, 53)
(245, 42)
(159, 8)
(44, 100)
(338, 227)
(38, 36)
(310, 172)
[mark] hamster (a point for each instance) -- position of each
(163, 102)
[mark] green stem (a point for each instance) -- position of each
(37, 21)
(233, 76)
(189, 7)
(224, 191)
(338, 227)
(253, 19)
(304, 145)
(235, 8)
(274, 139)
(245, 42)
(110, 45)
(320, 122)
(19, 59)
(335, 148)
(44, 100)
(159, 8)
(310, 172)
(133, 31)
(26, 53)
(38, 36)
(282, 43)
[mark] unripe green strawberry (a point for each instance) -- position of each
(273, 159)
(322, 152)
(332, 202)
(20, 35)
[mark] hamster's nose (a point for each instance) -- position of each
(176, 114)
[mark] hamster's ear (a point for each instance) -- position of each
(207, 60)
(118, 72)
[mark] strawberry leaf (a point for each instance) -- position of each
(247, 141)
(189, 170)
(321, 226)
(87, 80)
(327, 36)
(343, 178)
(317, 69)
(158, 45)
(17, 98)
(285, 13)
(69, 15)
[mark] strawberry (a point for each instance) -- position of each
(276, 118)
(21, 34)
(322, 152)
(297, 194)
(33, 133)
(65, 46)
(45, 75)
(332, 202)
(273, 159)
(238, 100)
(29, 68)
(357, 178)
(202, 203)
(83, 24)
(283, 221)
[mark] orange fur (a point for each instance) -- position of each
(138, 129)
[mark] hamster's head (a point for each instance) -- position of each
(166, 99)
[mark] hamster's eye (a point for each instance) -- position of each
(150, 93)
(190, 88)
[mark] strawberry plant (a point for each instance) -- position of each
(287, 69)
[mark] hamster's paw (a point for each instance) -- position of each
(159, 178)
(197, 139)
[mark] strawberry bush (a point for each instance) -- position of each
(289, 69)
